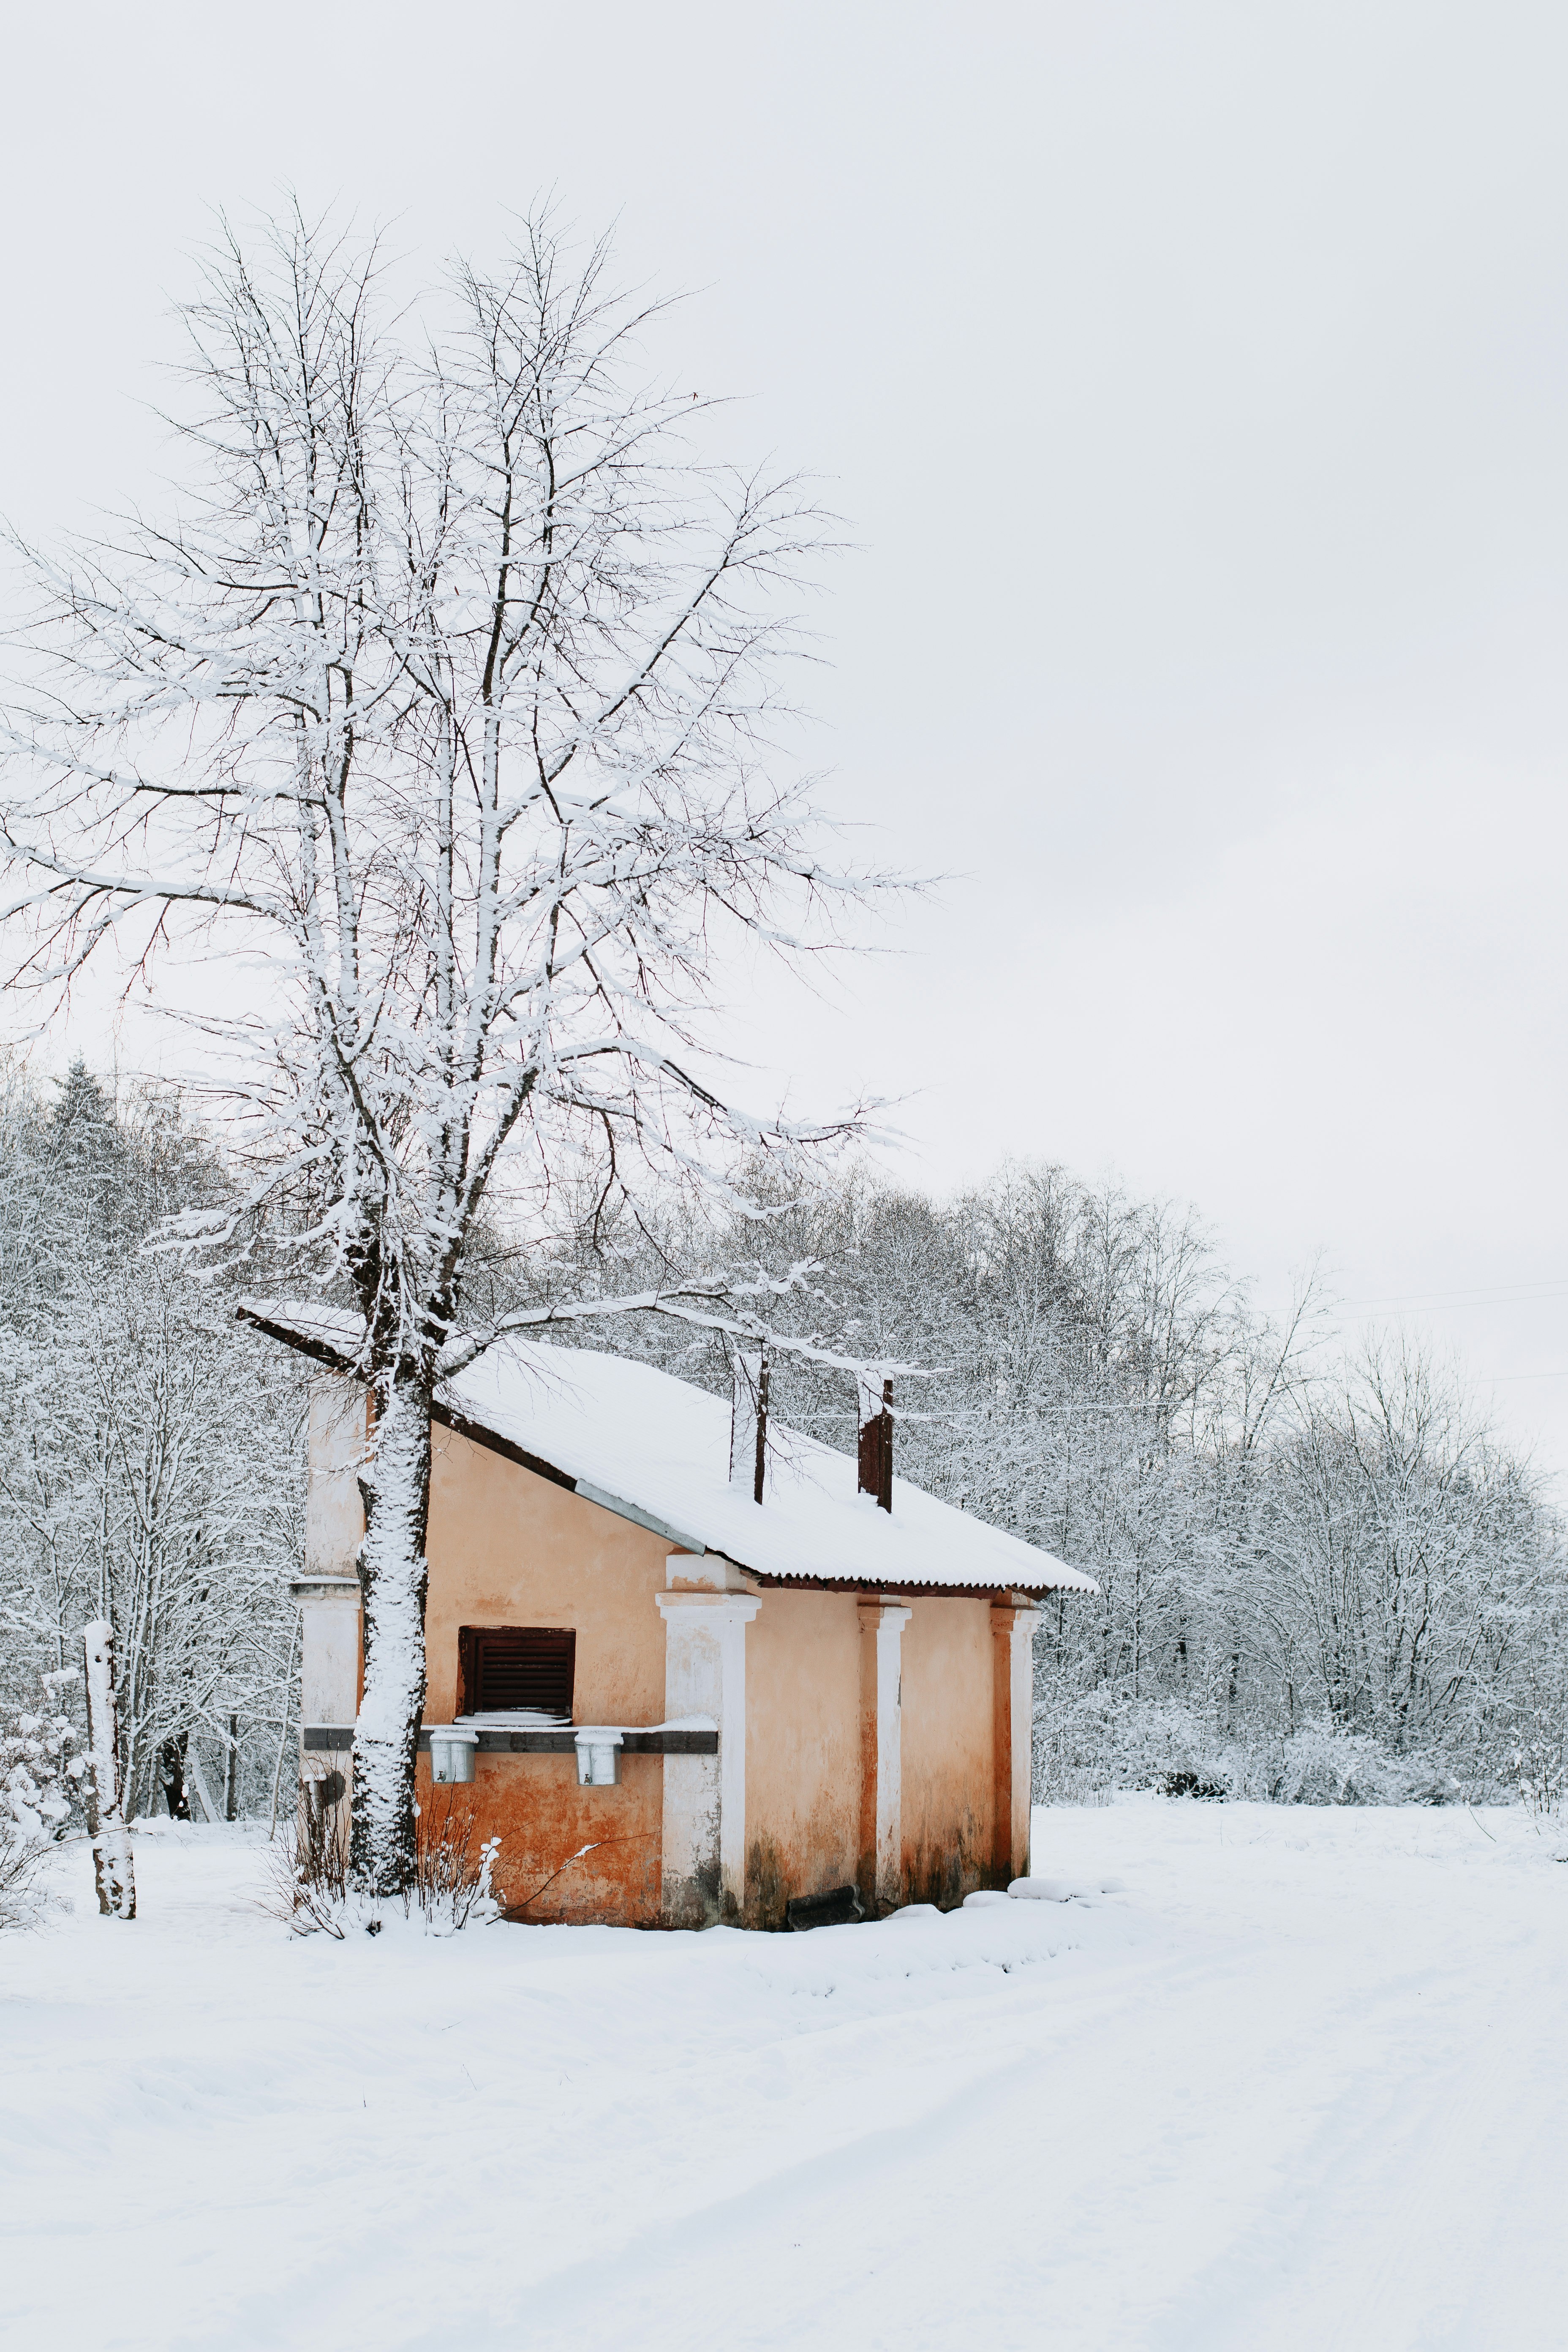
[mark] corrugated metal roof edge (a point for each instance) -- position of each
(904, 1585)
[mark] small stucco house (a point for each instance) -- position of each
(734, 1703)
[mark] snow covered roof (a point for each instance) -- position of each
(656, 1450)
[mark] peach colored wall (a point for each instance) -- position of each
(508, 1548)
(803, 1749)
(501, 1538)
(949, 1766)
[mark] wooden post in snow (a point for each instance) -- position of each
(111, 1863)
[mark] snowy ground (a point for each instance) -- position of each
(1302, 2084)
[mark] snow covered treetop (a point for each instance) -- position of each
(656, 1450)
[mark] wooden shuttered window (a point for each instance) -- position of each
(501, 1667)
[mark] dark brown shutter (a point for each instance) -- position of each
(507, 1666)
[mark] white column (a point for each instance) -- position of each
(329, 1591)
(335, 1508)
(1012, 1624)
(881, 1872)
(329, 1688)
(704, 1864)
(329, 1648)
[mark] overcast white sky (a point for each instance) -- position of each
(1192, 377)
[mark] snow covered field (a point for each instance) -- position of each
(1303, 2084)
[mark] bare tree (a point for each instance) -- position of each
(1403, 1549)
(148, 1450)
(447, 700)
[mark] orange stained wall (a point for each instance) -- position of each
(534, 1804)
(803, 1749)
(509, 1548)
(947, 1748)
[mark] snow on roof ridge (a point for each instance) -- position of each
(654, 1449)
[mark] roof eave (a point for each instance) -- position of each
(321, 1351)
(913, 1588)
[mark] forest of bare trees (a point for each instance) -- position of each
(1320, 1573)
(150, 1469)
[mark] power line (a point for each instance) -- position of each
(1495, 1295)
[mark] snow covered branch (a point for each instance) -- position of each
(707, 1307)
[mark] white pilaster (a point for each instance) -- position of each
(329, 1648)
(329, 1689)
(704, 1866)
(1012, 1624)
(882, 1626)
(335, 1508)
(329, 1591)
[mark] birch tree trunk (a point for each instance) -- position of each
(111, 1863)
(392, 1579)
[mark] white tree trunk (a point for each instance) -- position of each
(392, 1577)
(106, 1823)
(196, 1781)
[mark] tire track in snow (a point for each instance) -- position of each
(1223, 2230)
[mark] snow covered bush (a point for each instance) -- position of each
(21, 1859)
(40, 1797)
(451, 1886)
(1105, 1742)
(1541, 1766)
(310, 1887)
(450, 1889)
(1323, 1766)
(41, 1774)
